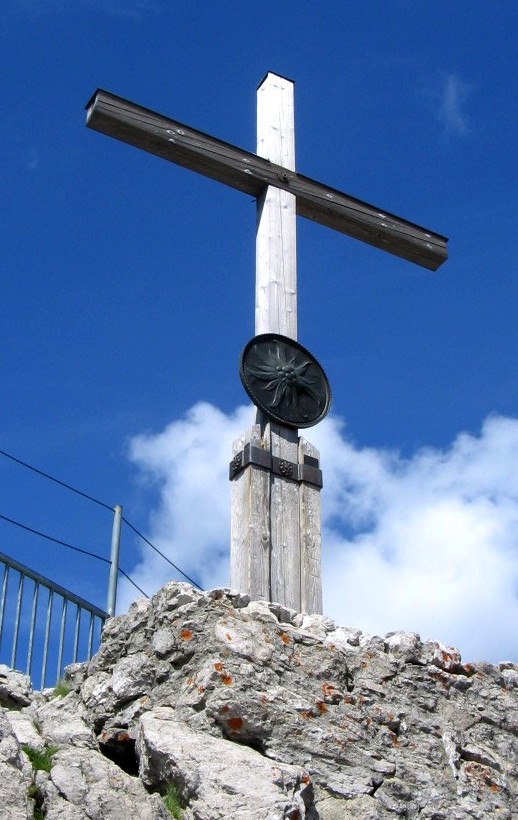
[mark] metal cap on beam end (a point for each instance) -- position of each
(90, 105)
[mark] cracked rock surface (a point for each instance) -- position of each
(249, 710)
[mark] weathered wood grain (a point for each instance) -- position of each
(250, 524)
(310, 539)
(276, 312)
(285, 558)
(178, 143)
(276, 239)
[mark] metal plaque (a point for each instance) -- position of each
(284, 380)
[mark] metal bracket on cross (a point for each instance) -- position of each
(308, 471)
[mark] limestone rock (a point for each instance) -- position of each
(247, 709)
(211, 776)
(63, 722)
(15, 774)
(15, 688)
(84, 784)
(25, 732)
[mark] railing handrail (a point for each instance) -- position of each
(64, 593)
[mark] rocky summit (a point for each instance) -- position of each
(209, 706)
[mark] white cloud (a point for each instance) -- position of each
(188, 462)
(452, 104)
(434, 547)
(426, 544)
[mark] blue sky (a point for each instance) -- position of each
(128, 288)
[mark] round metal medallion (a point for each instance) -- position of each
(284, 380)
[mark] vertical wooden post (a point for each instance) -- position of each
(275, 531)
(276, 249)
(276, 312)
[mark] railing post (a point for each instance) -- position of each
(114, 560)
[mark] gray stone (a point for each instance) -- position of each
(405, 646)
(253, 711)
(360, 808)
(15, 774)
(163, 642)
(131, 677)
(25, 731)
(64, 721)
(95, 788)
(15, 688)
(211, 776)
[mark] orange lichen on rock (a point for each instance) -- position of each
(235, 724)
(186, 634)
(481, 775)
(321, 707)
(440, 677)
(331, 693)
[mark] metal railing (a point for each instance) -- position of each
(42, 630)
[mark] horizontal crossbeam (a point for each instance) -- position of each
(251, 174)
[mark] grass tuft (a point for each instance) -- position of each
(41, 759)
(172, 802)
(61, 689)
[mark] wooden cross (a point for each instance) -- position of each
(276, 480)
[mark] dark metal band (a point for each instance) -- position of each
(308, 472)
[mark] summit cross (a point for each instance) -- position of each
(276, 480)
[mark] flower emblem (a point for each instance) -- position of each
(284, 380)
(285, 376)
